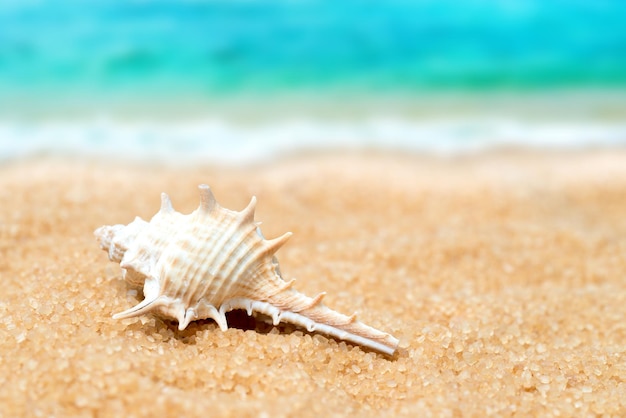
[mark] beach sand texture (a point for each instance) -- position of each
(504, 277)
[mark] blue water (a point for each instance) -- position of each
(188, 58)
(220, 47)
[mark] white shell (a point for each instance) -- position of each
(214, 260)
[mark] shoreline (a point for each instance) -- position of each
(210, 140)
(602, 103)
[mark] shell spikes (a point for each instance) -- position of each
(207, 201)
(215, 260)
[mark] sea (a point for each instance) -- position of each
(245, 81)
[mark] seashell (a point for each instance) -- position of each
(215, 260)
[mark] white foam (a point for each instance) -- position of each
(218, 141)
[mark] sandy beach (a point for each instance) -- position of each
(503, 276)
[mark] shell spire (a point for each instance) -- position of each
(202, 266)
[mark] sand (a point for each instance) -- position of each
(503, 275)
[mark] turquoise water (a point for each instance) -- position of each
(213, 47)
(246, 80)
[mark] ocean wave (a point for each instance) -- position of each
(213, 141)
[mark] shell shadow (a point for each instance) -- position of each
(239, 319)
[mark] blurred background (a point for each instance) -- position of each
(246, 80)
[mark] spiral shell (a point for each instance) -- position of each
(214, 260)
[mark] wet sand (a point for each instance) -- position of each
(503, 276)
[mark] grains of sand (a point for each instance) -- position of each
(502, 275)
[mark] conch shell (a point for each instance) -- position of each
(214, 260)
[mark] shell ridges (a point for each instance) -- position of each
(215, 260)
